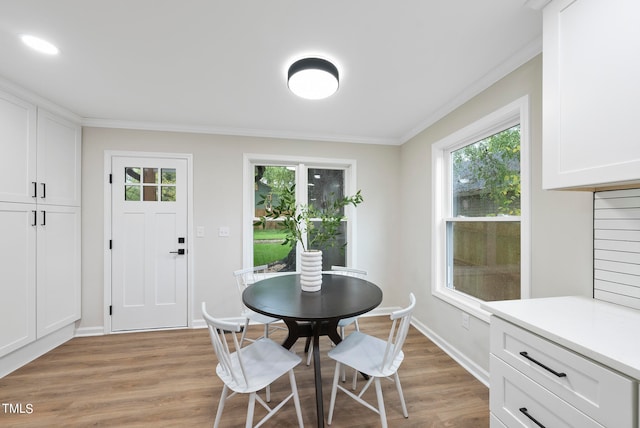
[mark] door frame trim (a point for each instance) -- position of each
(108, 157)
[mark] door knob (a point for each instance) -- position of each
(180, 251)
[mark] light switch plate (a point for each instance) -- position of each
(224, 231)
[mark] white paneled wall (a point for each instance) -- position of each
(616, 247)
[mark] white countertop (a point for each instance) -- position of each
(604, 332)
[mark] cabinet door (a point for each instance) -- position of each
(59, 152)
(590, 87)
(17, 149)
(58, 287)
(17, 287)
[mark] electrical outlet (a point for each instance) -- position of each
(465, 320)
(224, 231)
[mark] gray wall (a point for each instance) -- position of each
(218, 190)
(561, 222)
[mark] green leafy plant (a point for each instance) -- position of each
(321, 225)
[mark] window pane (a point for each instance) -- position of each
(168, 176)
(168, 194)
(485, 259)
(150, 175)
(131, 193)
(486, 176)
(150, 193)
(325, 186)
(269, 183)
(132, 175)
(335, 255)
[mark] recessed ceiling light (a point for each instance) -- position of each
(39, 45)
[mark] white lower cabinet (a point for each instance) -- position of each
(538, 383)
(40, 287)
(18, 285)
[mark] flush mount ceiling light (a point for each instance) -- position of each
(313, 78)
(39, 45)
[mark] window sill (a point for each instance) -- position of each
(464, 303)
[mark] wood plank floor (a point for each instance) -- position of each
(167, 378)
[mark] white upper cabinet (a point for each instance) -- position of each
(17, 149)
(59, 157)
(591, 90)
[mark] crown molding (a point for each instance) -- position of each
(241, 132)
(528, 52)
(536, 4)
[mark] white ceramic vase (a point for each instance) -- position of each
(311, 270)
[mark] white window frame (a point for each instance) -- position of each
(301, 164)
(510, 115)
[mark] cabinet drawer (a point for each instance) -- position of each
(517, 400)
(494, 422)
(595, 390)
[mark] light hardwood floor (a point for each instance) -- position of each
(167, 378)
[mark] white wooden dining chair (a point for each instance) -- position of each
(244, 278)
(343, 323)
(374, 357)
(252, 368)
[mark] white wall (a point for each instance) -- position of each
(217, 172)
(561, 222)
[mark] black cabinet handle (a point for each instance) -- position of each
(526, 355)
(44, 218)
(35, 218)
(44, 191)
(35, 189)
(526, 413)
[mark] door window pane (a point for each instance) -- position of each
(132, 175)
(168, 176)
(131, 193)
(151, 175)
(150, 193)
(270, 182)
(168, 193)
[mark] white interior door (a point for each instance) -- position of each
(149, 243)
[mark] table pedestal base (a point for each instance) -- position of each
(313, 330)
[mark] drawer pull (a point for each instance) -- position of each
(526, 413)
(526, 355)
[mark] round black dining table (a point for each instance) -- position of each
(312, 314)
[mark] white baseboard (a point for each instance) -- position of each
(478, 372)
(33, 350)
(89, 331)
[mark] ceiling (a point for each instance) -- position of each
(220, 66)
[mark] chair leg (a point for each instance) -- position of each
(296, 398)
(343, 375)
(244, 331)
(309, 354)
(223, 399)
(334, 390)
(250, 408)
(383, 413)
(399, 387)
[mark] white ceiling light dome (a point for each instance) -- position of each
(313, 78)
